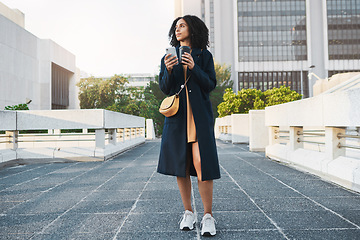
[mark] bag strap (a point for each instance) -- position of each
(183, 85)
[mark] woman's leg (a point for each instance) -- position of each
(184, 184)
(205, 187)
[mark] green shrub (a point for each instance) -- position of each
(248, 99)
(22, 106)
(281, 95)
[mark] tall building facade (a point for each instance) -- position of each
(270, 43)
(34, 69)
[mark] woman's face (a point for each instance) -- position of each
(182, 30)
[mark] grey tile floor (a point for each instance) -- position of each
(125, 198)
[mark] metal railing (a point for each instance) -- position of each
(340, 136)
(311, 134)
(283, 137)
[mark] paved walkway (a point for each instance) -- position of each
(125, 198)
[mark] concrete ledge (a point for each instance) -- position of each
(7, 155)
(61, 154)
(333, 109)
(240, 128)
(75, 119)
(244, 128)
(7, 120)
(258, 132)
(344, 171)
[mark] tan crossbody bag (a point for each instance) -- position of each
(170, 105)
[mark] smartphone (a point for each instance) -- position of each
(182, 50)
(172, 51)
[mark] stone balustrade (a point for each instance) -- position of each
(80, 135)
(319, 135)
(243, 128)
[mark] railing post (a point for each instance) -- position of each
(273, 135)
(100, 138)
(332, 142)
(13, 138)
(112, 136)
(85, 130)
(296, 138)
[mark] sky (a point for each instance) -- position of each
(107, 36)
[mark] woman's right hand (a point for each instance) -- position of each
(170, 62)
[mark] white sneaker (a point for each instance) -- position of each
(208, 225)
(188, 221)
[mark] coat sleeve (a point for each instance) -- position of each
(206, 77)
(165, 79)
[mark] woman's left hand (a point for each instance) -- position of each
(187, 60)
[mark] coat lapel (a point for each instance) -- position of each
(196, 52)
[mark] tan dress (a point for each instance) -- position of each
(191, 130)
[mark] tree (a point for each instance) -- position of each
(142, 102)
(101, 93)
(150, 106)
(223, 74)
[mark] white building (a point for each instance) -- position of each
(140, 79)
(33, 68)
(271, 43)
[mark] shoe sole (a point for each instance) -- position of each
(208, 234)
(187, 228)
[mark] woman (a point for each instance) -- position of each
(188, 144)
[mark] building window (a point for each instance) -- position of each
(271, 30)
(296, 80)
(60, 78)
(343, 29)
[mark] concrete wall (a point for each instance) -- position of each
(240, 128)
(317, 35)
(322, 85)
(258, 132)
(224, 34)
(14, 15)
(25, 67)
(244, 128)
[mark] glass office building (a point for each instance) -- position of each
(271, 31)
(275, 31)
(270, 43)
(343, 29)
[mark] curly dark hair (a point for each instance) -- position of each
(199, 33)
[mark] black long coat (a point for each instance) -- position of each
(174, 147)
